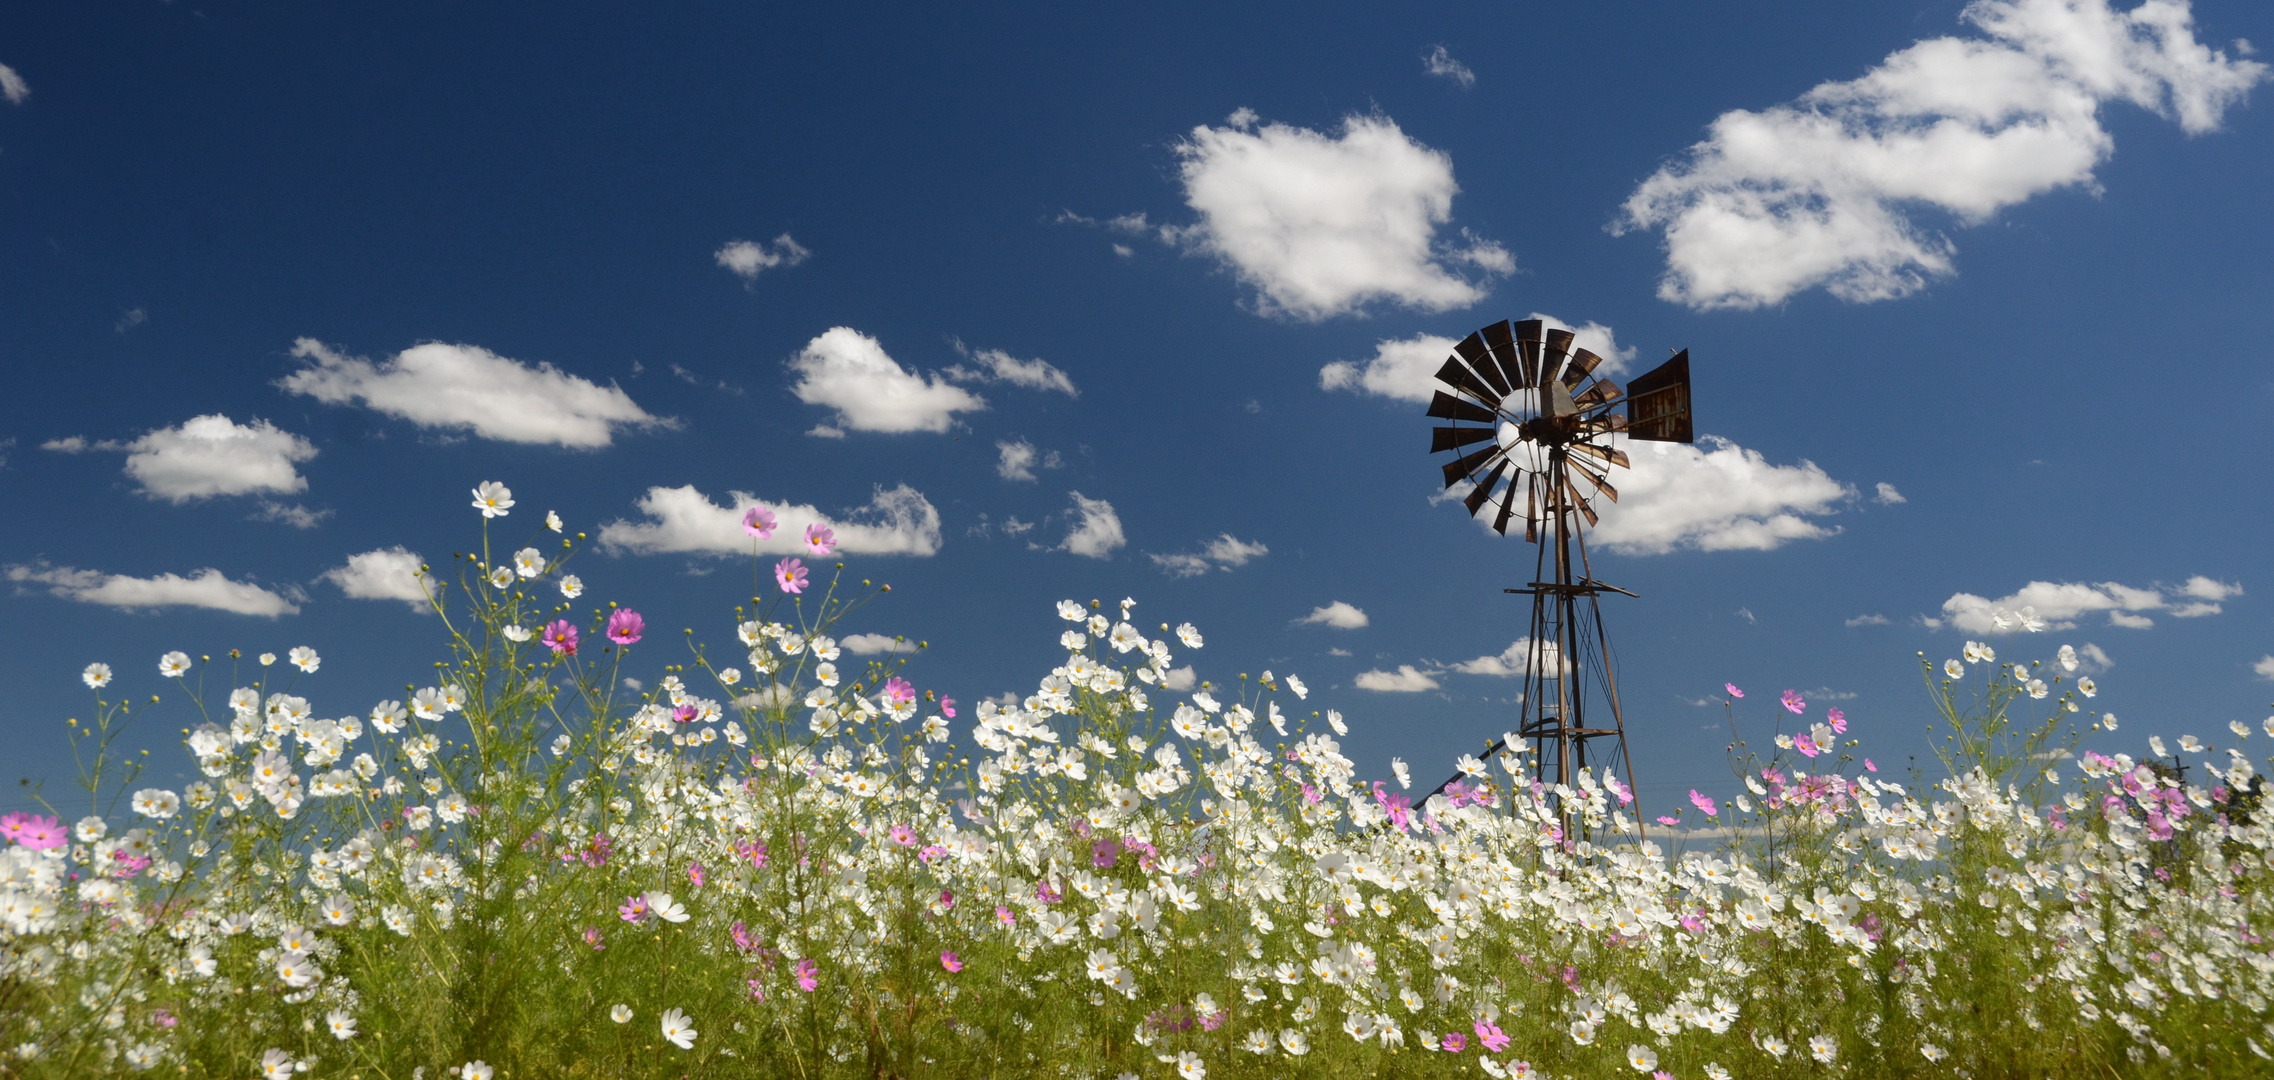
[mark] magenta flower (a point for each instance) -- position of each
(560, 636)
(1805, 745)
(1838, 719)
(898, 691)
(1868, 766)
(634, 910)
(903, 836)
(164, 1019)
(758, 521)
(686, 714)
(790, 575)
(39, 833)
(819, 539)
(1491, 1036)
(1664, 820)
(594, 938)
(696, 873)
(949, 961)
(1794, 703)
(1733, 690)
(947, 707)
(808, 979)
(1454, 1042)
(625, 626)
(1005, 916)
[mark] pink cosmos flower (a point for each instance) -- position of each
(1733, 690)
(1625, 793)
(164, 1019)
(947, 707)
(949, 961)
(819, 539)
(35, 832)
(1491, 1036)
(1794, 703)
(1005, 916)
(625, 626)
(1454, 1042)
(634, 910)
(1868, 766)
(696, 874)
(1839, 720)
(898, 691)
(758, 521)
(903, 836)
(594, 938)
(790, 575)
(808, 978)
(686, 714)
(1665, 820)
(1806, 746)
(560, 636)
(1704, 805)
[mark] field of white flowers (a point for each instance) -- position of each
(770, 866)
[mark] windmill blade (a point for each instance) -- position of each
(1604, 423)
(1600, 483)
(1463, 468)
(1658, 403)
(1484, 490)
(1602, 393)
(1531, 508)
(1582, 362)
(1551, 356)
(1457, 374)
(1471, 350)
(1501, 339)
(1528, 352)
(1447, 407)
(1507, 506)
(1453, 438)
(1578, 501)
(1605, 453)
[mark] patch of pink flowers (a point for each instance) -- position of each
(625, 626)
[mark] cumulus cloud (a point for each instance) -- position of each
(1821, 191)
(1888, 496)
(1440, 63)
(208, 456)
(875, 644)
(682, 520)
(12, 86)
(469, 388)
(1340, 615)
(1713, 495)
(1321, 225)
(1406, 368)
(1099, 532)
(1224, 552)
(747, 259)
(1184, 678)
(848, 371)
(1521, 657)
(1868, 620)
(995, 365)
(2060, 605)
(1017, 459)
(2265, 667)
(207, 588)
(382, 574)
(1405, 680)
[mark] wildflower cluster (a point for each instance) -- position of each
(780, 866)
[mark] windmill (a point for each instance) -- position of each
(1530, 427)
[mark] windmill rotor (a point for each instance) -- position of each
(1533, 428)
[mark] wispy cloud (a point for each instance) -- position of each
(1405, 680)
(1338, 614)
(2060, 604)
(207, 588)
(1097, 533)
(1440, 63)
(748, 259)
(466, 388)
(1224, 552)
(682, 520)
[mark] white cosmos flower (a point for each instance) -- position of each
(2191, 744)
(2067, 658)
(1404, 775)
(1071, 611)
(96, 676)
(528, 562)
(572, 586)
(501, 577)
(174, 665)
(2037, 689)
(2085, 685)
(1185, 632)
(476, 1070)
(1954, 669)
(387, 716)
(267, 658)
(304, 658)
(516, 633)
(1292, 1041)
(1642, 1058)
(2108, 720)
(1190, 1067)
(91, 829)
(552, 521)
(666, 908)
(2155, 743)
(620, 1013)
(427, 703)
(341, 1023)
(493, 499)
(678, 1030)
(277, 1065)
(1296, 684)
(157, 803)
(1822, 1048)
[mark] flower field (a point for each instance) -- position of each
(769, 865)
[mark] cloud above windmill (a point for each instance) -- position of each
(1405, 369)
(1323, 224)
(1225, 552)
(1825, 191)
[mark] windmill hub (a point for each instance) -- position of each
(1547, 425)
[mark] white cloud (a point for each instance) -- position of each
(382, 574)
(1513, 660)
(1819, 191)
(469, 388)
(211, 455)
(1405, 680)
(2061, 604)
(1868, 620)
(875, 644)
(2093, 659)
(2265, 667)
(130, 320)
(1440, 63)
(1099, 533)
(207, 588)
(1017, 460)
(1339, 614)
(995, 365)
(897, 521)
(1321, 225)
(13, 86)
(71, 444)
(1224, 552)
(848, 371)
(748, 259)
(299, 517)
(1181, 679)
(1714, 496)
(1406, 368)
(1888, 496)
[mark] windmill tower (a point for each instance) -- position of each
(1531, 429)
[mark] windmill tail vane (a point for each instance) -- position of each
(1532, 423)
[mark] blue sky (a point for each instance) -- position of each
(1129, 303)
